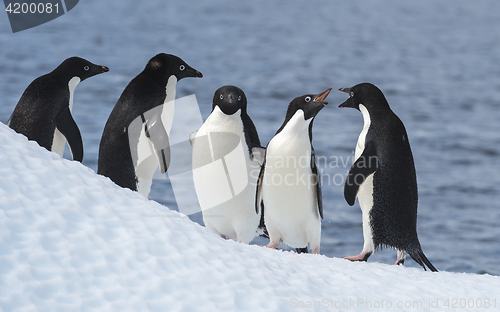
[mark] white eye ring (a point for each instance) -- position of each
(86, 68)
(239, 98)
(182, 67)
(307, 99)
(352, 93)
(221, 96)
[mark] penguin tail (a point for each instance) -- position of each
(421, 259)
(301, 250)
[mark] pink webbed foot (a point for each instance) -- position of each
(401, 258)
(363, 256)
(273, 245)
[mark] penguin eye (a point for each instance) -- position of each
(221, 96)
(239, 98)
(182, 67)
(86, 68)
(352, 94)
(307, 99)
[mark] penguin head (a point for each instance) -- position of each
(366, 94)
(230, 99)
(78, 67)
(162, 66)
(310, 104)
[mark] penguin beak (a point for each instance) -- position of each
(104, 69)
(97, 69)
(322, 96)
(195, 73)
(348, 102)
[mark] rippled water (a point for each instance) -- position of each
(436, 61)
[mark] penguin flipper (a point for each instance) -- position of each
(262, 230)
(67, 126)
(258, 193)
(365, 165)
(251, 135)
(158, 137)
(319, 197)
(421, 259)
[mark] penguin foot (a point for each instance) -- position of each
(224, 237)
(272, 245)
(363, 256)
(401, 257)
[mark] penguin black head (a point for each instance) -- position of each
(230, 99)
(162, 66)
(78, 67)
(310, 104)
(366, 94)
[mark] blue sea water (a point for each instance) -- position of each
(436, 61)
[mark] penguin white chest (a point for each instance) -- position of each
(288, 187)
(220, 159)
(222, 177)
(167, 115)
(360, 146)
(59, 140)
(222, 123)
(365, 193)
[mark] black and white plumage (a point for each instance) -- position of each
(226, 160)
(383, 179)
(153, 87)
(289, 183)
(43, 113)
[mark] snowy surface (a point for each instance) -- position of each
(436, 63)
(71, 240)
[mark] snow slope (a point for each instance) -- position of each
(71, 240)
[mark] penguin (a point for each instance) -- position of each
(227, 155)
(43, 114)
(383, 179)
(289, 182)
(145, 106)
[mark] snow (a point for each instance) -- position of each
(71, 240)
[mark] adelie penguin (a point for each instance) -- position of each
(134, 142)
(226, 162)
(289, 182)
(43, 113)
(383, 179)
